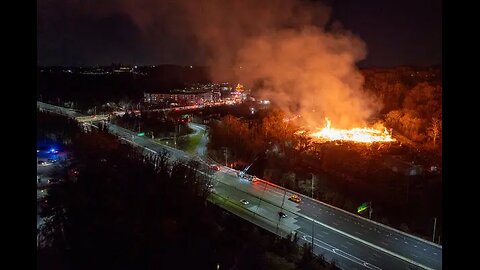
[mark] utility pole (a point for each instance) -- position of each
(283, 201)
(370, 211)
(434, 227)
(312, 234)
(259, 201)
(225, 152)
(175, 136)
(313, 177)
(281, 207)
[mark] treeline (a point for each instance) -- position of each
(55, 127)
(127, 211)
(412, 102)
(243, 141)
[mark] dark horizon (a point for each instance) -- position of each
(396, 33)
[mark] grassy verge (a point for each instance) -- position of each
(192, 142)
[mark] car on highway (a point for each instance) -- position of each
(246, 176)
(215, 167)
(282, 215)
(43, 163)
(245, 202)
(294, 198)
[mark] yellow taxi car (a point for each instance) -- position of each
(294, 198)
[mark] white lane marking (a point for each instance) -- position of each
(358, 233)
(325, 232)
(339, 252)
(414, 245)
(434, 253)
(405, 242)
(366, 243)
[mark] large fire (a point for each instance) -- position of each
(361, 135)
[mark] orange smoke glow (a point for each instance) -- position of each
(360, 135)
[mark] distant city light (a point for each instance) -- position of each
(264, 101)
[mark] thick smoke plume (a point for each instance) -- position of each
(310, 72)
(305, 64)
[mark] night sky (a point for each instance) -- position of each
(148, 32)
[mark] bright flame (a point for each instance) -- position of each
(362, 135)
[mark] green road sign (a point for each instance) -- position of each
(362, 207)
(141, 134)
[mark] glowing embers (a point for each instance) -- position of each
(360, 135)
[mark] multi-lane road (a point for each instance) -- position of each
(352, 241)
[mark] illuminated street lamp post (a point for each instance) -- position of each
(225, 152)
(281, 207)
(313, 179)
(370, 211)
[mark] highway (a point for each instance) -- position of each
(352, 241)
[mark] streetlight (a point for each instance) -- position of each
(370, 211)
(313, 177)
